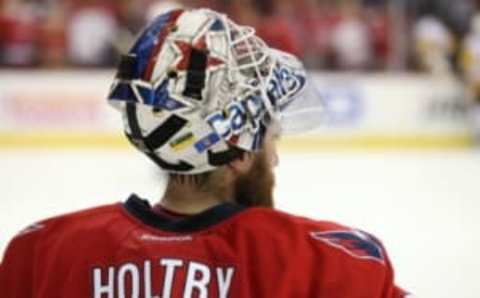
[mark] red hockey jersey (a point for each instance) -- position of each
(128, 251)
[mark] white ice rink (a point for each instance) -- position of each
(424, 206)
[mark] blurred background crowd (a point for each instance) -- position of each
(328, 34)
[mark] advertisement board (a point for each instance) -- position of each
(69, 109)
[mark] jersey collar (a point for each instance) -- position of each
(141, 209)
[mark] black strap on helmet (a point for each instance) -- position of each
(126, 67)
(196, 74)
(224, 157)
(155, 139)
(163, 133)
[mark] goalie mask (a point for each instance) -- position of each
(196, 90)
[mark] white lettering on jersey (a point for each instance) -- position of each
(224, 281)
(147, 275)
(130, 280)
(198, 277)
(98, 288)
(123, 272)
(170, 266)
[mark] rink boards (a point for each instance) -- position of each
(62, 109)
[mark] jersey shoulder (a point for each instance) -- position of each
(273, 218)
(318, 236)
(332, 254)
(65, 227)
(82, 219)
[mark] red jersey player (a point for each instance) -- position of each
(205, 99)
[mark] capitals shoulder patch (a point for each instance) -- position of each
(356, 243)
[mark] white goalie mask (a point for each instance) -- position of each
(196, 90)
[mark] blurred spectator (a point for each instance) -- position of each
(283, 24)
(470, 54)
(274, 29)
(132, 15)
(470, 64)
(379, 28)
(351, 38)
(434, 45)
(319, 20)
(92, 28)
(159, 7)
(52, 41)
(326, 34)
(20, 34)
(454, 14)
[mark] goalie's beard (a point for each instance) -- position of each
(255, 188)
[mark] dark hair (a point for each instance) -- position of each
(206, 182)
(200, 180)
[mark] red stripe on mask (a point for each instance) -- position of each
(174, 15)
